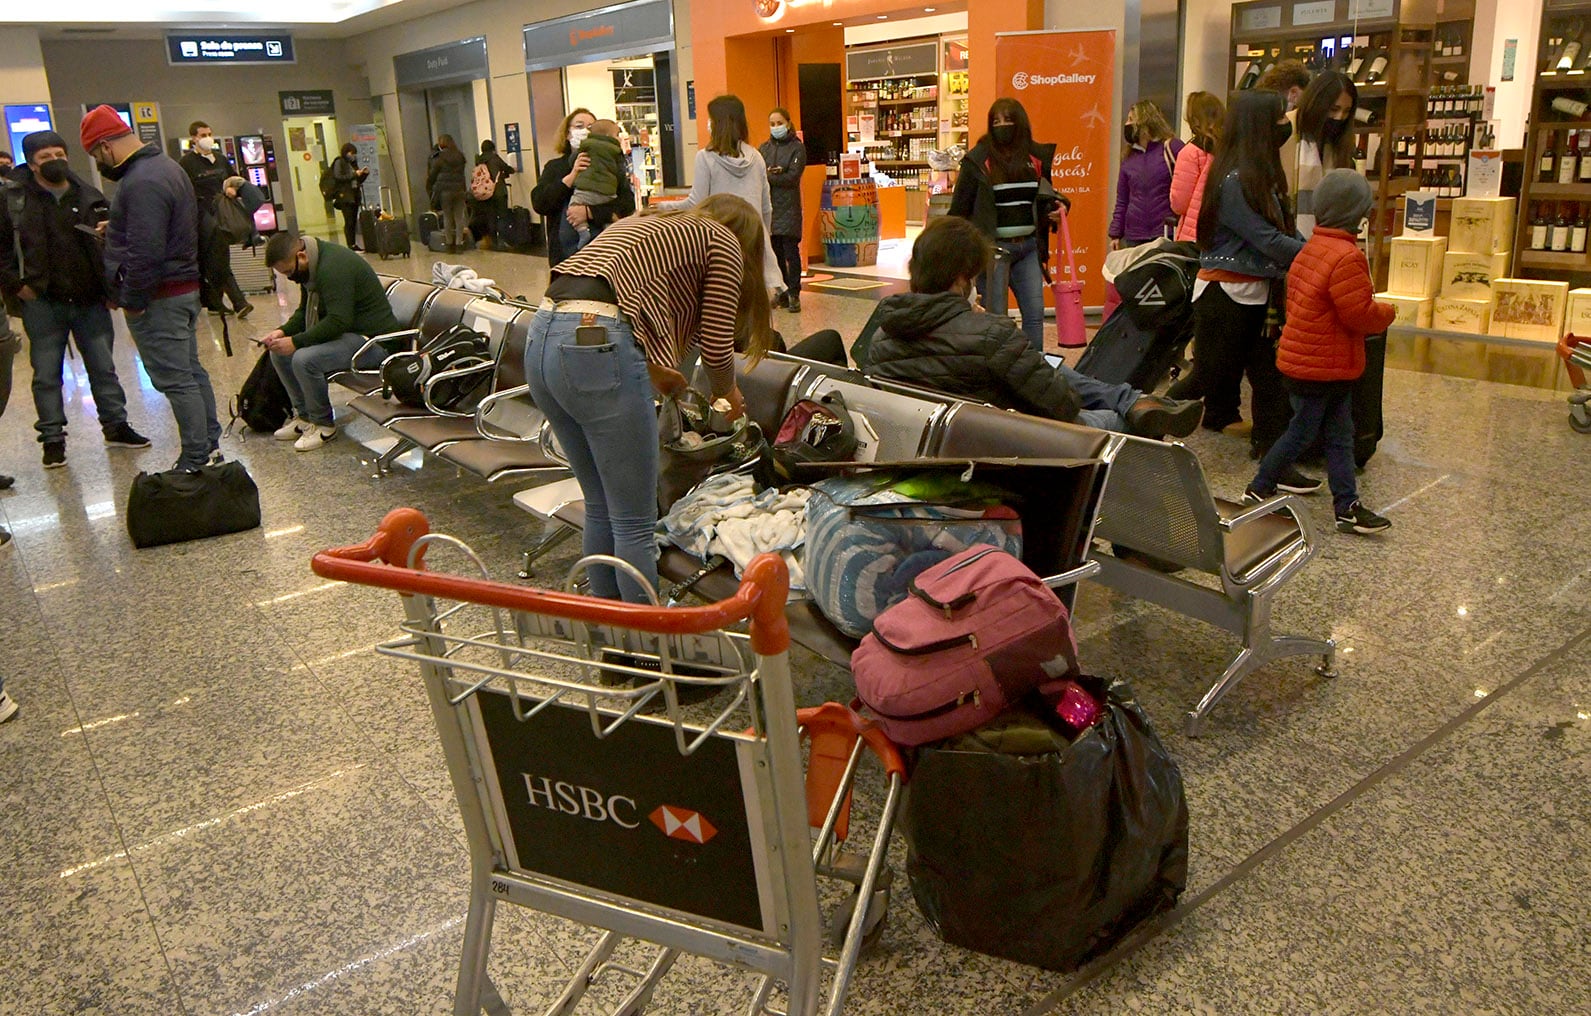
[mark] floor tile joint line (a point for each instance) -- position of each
(1156, 926)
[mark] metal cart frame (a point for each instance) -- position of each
(490, 711)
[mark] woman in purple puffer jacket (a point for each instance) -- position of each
(1143, 189)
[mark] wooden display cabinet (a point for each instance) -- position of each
(1563, 77)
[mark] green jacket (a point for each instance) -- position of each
(607, 165)
(352, 300)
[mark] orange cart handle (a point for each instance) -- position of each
(761, 596)
(832, 718)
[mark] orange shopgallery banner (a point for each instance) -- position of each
(1066, 82)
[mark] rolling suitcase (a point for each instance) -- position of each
(429, 223)
(1123, 352)
(1367, 395)
(515, 230)
(392, 238)
(367, 229)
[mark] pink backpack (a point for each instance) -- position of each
(976, 633)
(482, 186)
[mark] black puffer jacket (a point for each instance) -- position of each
(446, 177)
(937, 341)
(973, 197)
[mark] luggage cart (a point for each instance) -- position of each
(1576, 354)
(587, 794)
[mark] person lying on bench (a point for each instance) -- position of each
(934, 338)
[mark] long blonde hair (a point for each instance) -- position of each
(1147, 118)
(753, 333)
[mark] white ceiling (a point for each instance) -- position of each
(132, 19)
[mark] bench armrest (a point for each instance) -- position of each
(1289, 504)
(484, 407)
(470, 370)
(409, 335)
(1072, 576)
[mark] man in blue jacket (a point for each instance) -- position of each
(152, 274)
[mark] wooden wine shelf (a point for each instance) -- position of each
(1580, 191)
(1554, 261)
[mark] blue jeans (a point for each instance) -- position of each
(1105, 405)
(1018, 269)
(48, 323)
(164, 334)
(1329, 414)
(598, 400)
(304, 373)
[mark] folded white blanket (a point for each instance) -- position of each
(725, 515)
(461, 277)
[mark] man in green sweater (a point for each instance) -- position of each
(341, 305)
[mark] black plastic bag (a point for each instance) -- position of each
(1029, 846)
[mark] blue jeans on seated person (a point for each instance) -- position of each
(49, 323)
(598, 401)
(1105, 405)
(167, 342)
(304, 373)
(1324, 408)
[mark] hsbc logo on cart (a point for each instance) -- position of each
(1022, 79)
(593, 805)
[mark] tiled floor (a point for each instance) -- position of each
(216, 800)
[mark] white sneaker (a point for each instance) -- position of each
(8, 706)
(314, 437)
(290, 430)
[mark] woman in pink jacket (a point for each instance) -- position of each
(1204, 117)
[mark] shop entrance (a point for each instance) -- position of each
(442, 90)
(311, 145)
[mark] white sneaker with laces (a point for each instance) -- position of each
(314, 437)
(8, 706)
(290, 430)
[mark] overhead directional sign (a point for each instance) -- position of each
(229, 48)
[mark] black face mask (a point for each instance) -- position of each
(1333, 129)
(1129, 134)
(53, 171)
(299, 275)
(113, 173)
(353, 160)
(1281, 132)
(1004, 134)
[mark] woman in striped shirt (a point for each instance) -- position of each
(617, 320)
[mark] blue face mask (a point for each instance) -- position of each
(779, 133)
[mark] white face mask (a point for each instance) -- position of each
(577, 135)
(206, 145)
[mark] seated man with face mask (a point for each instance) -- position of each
(934, 338)
(341, 305)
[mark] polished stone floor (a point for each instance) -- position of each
(217, 800)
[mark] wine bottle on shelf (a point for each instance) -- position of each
(1577, 231)
(1378, 67)
(1574, 109)
(1356, 64)
(1549, 159)
(1570, 54)
(1538, 228)
(1569, 160)
(1560, 232)
(1552, 231)
(1250, 76)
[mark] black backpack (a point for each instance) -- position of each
(814, 430)
(262, 403)
(1157, 289)
(328, 183)
(404, 375)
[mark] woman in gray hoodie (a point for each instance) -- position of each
(731, 166)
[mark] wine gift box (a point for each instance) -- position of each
(1413, 311)
(1416, 268)
(1482, 226)
(1469, 276)
(1528, 309)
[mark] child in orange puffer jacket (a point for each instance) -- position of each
(1331, 307)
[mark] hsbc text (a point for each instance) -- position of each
(582, 801)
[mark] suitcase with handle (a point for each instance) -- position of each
(429, 223)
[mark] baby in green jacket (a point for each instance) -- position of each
(598, 183)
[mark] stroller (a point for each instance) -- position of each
(1144, 339)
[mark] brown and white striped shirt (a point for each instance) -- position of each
(677, 278)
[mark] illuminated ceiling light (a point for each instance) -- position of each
(883, 17)
(789, 31)
(928, 10)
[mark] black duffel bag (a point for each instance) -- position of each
(175, 506)
(1026, 844)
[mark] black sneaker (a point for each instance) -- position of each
(1295, 482)
(54, 454)
(1157, 418)
(216, 458)
(793, 305)
(1360, 519)
(123, 436)
(7, 482)
(1252, 496)
(5, 538)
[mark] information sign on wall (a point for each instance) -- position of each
(1260, 18)
(1320, 12)
(643, 27)
(25, 119)
(146, 121)
(318, 102)
(229, 48)
(455, 62)
(367, 148)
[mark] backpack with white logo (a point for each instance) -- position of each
(1158, 287)
(404, 375)
(482, 186)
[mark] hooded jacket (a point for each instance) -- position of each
(1331, 307)
(1143, 192)
(607, 165)
(745, 176)
(790, 155)
(152, 241)
(59, 262)
(973, 198)
(445, 177)
(937, 341)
